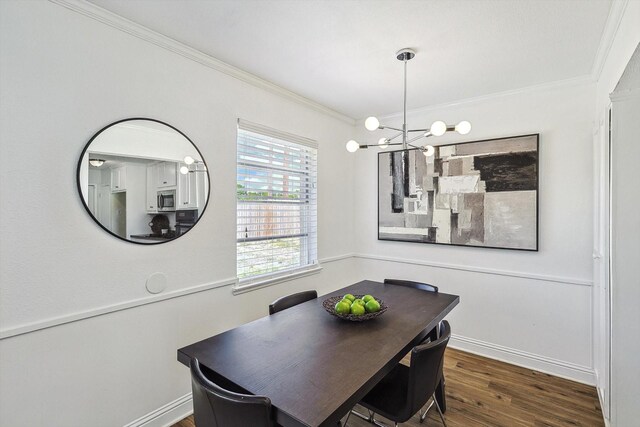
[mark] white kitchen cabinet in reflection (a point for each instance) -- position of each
(152, 188)
(187, 190)
(167, 175)
(119, 179)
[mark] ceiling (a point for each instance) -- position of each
(342, 53)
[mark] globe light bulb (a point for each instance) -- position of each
(428, 150)
(463, 128)
(371, 123)
(189, 160)
(184, 170)
(352, 146)
(438, 128)
(383, 143)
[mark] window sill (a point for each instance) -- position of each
(253, 286)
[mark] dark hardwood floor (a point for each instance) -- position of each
(485, 392)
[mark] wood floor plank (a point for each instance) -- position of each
(484, 392)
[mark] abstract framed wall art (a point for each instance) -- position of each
(479, 193)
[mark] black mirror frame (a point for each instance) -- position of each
(84, 202)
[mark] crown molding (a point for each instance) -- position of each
(608, 35)
(574, 81)
(99, 14)
(625, 94)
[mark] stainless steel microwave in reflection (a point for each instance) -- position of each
(167, 201)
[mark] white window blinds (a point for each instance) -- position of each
(276, 203)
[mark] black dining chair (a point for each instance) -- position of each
(290, 300)
(417, 285)
(432, 335)
(214, 406)
(405, 390)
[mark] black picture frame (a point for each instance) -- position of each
(537, 210)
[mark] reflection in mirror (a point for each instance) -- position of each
(143, 181)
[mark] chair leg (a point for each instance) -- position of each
(423, 415)
(378, 423)
(441, 395)
(362, 416)
(347, 419)
(444, 423)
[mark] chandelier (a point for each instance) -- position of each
(438, 128)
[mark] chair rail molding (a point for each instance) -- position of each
(100, 311)
(482, 270)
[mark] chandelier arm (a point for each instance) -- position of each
(405, 55)
(377, 145)
(394, 137)
(415, 146)
(415, 139)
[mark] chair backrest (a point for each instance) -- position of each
(291, 300)
(214, 406)
(424, 286)
(425, 371)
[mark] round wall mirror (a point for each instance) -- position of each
(143, 181)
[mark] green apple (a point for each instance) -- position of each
(372, 306)
(349, 297)
(367, 298)
(357, 309)
(358, 301)
(343, 307)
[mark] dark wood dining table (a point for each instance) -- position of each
(313, 366)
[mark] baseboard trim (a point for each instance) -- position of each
(600, 392)
(482, 270)
(536, 362)
(166, 415)
(601, 400)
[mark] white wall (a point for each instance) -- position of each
(618, 382)
(63, 76)
(531, 308)
(625, 253)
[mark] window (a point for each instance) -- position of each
(276, 204)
